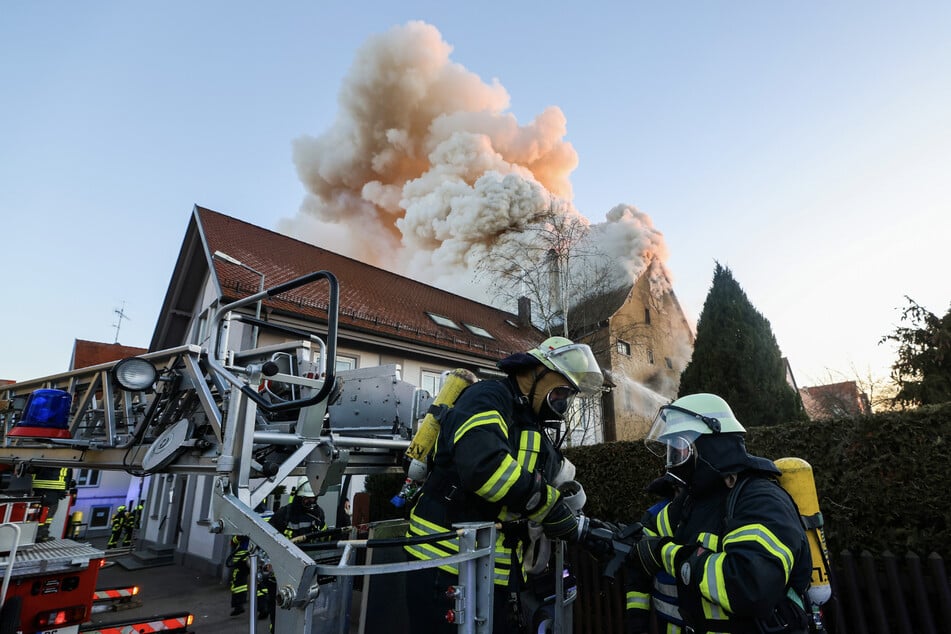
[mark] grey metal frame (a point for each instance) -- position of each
(114, 429)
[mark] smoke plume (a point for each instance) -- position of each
(425, 170)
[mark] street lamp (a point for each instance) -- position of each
(221, 255)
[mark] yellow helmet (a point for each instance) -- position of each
(574, 361)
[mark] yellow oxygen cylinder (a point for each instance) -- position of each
(798, 480)
(425, 438)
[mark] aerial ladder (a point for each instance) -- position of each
(248, 419)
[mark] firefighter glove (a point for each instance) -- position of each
(560, 523)
(599, 537)
(647, 552)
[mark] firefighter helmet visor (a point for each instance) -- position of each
(679, 451)
(574, 361)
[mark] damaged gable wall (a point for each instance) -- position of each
(646, 344)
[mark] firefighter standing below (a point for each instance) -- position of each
(492, 461)
(731, 538)
(297, 521)
(137, 516)
(52, 485)
(130, 525)
(120, 519)
(240, 571)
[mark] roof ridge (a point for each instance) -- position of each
(387, 272)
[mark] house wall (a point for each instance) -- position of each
(649, 375)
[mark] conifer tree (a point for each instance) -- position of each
(736, 356)
(922, 371)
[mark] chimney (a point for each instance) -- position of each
(524, 312)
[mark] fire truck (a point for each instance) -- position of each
(249, 419)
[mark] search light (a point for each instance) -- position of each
(135, 374)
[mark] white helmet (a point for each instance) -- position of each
(678, 425)
(304, 489)
(574, 361)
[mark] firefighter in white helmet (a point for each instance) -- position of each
(298, 521)
(493, 461)
(731, 537)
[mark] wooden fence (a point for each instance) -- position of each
(884, 594)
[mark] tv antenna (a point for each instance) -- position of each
(120, 313)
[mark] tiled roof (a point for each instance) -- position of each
(835, 400)
(372, 300)
(90, 353)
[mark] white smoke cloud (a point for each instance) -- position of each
(424, 170)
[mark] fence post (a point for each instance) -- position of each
(857, 623)
(895, 591)
(873, 593)
(917, 580)
(939, 579)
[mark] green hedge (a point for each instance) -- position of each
(883, 480)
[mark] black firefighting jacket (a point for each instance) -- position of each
(733, 566)
(489, 449)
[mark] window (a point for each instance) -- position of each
(443, 321)
(623, 347)
(478, 330)
(87, 478)
(650, 356)
(345, 363)
(430, 381)
(670, 364)
(647, 317)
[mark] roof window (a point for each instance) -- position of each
(443, 321)
(478, 330)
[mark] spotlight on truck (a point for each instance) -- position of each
(135, 374)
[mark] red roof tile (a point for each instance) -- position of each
(90, 353)
(372, 300)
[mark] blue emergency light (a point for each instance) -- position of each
(45, 415)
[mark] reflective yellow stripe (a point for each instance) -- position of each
(446, 548)
(713, 587)
(637, 600)
(709, 541)
(668, 553)
(529, 444)
(501, 480)
(484, 418)
(663, 523)
(425, 552)
(551, 496)
(759, 534)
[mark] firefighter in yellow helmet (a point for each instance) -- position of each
(731, 537)
(493, 461)
(120, 519)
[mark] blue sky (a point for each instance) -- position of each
(806, 145)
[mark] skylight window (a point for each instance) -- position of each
(443, 321)
(478, 330)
